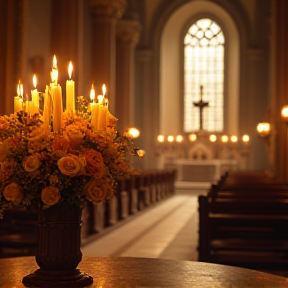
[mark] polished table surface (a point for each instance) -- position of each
(120, 272)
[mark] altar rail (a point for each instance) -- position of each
(243, 222)
(141, 190)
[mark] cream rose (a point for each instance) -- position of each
(14, 193)
(97, 190)
(4, 150)
(70, 165)
(31, 163)
(74, 135)
(50, 195)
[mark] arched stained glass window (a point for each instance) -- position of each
(204, 67)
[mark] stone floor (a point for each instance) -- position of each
(168, 230)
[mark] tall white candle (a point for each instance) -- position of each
(70, 90)
(47, 110)
(18, 100)
(35, 96)
(103, 109)
(56, 93)
(94, 109)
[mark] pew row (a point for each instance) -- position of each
(245, 227)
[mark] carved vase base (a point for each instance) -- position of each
(62, 279)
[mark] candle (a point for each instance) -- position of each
(47, 110)
(70, 90)
(18, 100)
(35, 97)
(56, 93)
(102, 118)
(94, 107)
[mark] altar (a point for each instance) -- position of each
(201, 173)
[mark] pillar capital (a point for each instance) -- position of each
(128, 31)
(108, 8)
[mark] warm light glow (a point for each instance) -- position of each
(263, 129)
(35, 81)
(170, 138)
(179, 138)
(54, 72)
(141, 153)
(92, 94)
(192, 137)
(133, 132)
(284, 113)
(234, 139)
(20, 90)
(70, 69)
(104, 90)
(100, 99)
(160, 138)
(245, 138)
(224, 138)
(213, 138)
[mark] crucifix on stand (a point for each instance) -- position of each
(201, 105)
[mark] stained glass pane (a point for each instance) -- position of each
(204, 66)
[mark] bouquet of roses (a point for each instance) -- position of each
(39, 169)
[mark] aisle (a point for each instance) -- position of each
(168, 230)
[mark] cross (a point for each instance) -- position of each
(201, 104)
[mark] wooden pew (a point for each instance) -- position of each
(252, 234)
(246, 224)
(18, 234)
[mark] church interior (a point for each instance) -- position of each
(205, 84)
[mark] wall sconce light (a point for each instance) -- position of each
(192, 137)
(264, 129)
(179, 138)
(245, 138)
(284, 113)
(224, 138)
(132, 132)
(170, 139)
(161, 138)
(234, 139)
(213, 138)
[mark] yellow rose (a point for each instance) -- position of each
(4, 150)
(97, 190)
(31, 163)
(14, 193)
(50, 195)
(75, 135)
(70, 165)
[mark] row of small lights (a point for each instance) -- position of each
(193, 137)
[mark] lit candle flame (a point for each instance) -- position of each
(104, 90)
(70, 69)
(20, 90)
(92, 94)
(54, 72)
(34, 81)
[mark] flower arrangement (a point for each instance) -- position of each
(39, 169)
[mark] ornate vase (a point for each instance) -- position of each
(58, 253)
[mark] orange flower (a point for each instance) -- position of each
(70, 165)
(95, 163)
(97, 190)
(50, 195)
(14, 193)
(31, 163)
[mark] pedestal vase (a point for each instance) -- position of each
(58, 253)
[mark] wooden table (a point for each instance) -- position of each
(120, 272)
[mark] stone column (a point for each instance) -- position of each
(105, 14)
(127, 32)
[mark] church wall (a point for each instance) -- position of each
(254, 77)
